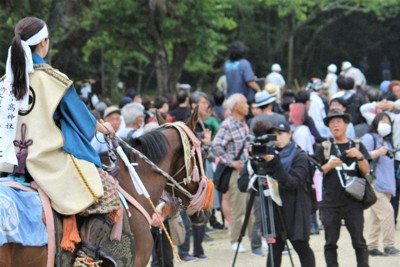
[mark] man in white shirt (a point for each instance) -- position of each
(276, 78)
(349, 71)
(330, 80)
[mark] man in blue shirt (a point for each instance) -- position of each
(239, 74)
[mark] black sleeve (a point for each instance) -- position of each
(311, 125)
(319, 155)
(364, 151)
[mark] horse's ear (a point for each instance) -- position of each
(192, 121)
(160, 119)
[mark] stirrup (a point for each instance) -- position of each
(83, 260)
(107, 261)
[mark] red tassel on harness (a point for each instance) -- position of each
(22, 153)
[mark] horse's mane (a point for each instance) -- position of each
(153, 144)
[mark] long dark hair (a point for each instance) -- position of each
(25, 28)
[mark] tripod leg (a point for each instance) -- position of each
(245, 222)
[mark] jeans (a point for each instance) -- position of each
(198, 232)
(331, 218)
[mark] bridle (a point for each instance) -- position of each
(156, 168)
(191, 146)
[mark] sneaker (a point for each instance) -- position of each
(189, 258)
(375, 252)
(241, 248)
(264, 245)
(218, 226)
(391, 251)
(258, 252)
(201, 257)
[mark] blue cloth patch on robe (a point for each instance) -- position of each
(21, 217)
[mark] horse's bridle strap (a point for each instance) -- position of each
(136, 204)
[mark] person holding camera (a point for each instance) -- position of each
(381, 219)
(288, 165)
(341, 158)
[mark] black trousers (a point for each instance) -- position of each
(331, 218)
(162, 254)
(302, 247)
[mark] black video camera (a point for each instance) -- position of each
(262, 145)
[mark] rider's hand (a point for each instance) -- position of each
(106, 129)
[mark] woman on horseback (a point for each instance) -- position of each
(40, 104)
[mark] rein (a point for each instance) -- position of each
(192, 149)
(156, 168)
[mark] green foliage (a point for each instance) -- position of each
(141, 41)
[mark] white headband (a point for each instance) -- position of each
(34, 40)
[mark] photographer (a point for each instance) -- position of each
(381, 219)
(289, 166)
(339, 158)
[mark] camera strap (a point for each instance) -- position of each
(339, 155)
(240, 152)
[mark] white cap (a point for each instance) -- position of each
(346, 65)
(332, 68)
(184, 86)
(276, 67)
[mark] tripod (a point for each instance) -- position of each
(268, 222)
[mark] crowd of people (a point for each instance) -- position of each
(337, 110)
(350, 128)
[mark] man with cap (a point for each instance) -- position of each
(349, 71)
(330, 80)
(292, 218)
(340, 158)
(265, 102)
(112, 115)
(276, 78)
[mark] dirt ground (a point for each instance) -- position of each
(220, 254)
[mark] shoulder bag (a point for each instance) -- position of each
(177, 229)
(223, 172)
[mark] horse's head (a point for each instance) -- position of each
(195, 189)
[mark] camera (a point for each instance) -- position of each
(262, 145)
(390, 153)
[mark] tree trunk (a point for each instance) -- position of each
(161, 69)
(180, 54)
(290, 54)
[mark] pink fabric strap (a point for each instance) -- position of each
(48, 212)
(136, 204)
(16, 185)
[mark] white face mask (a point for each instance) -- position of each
(384, 129)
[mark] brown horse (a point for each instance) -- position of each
(164, 148)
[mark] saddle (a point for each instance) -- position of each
(95, 231)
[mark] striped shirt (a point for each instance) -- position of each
(229, 140)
